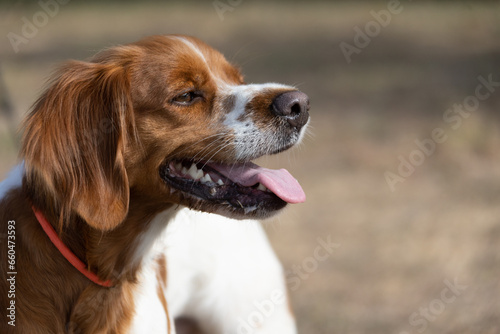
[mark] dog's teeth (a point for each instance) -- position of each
(184, 171)
(194, 172)
(178, 166)
(207, 178)
(262, 187)
(220, 182)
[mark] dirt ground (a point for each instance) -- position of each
(401, 165)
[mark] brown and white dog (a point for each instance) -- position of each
(126, 157)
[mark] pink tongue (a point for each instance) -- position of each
(280, 182)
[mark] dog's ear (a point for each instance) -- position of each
(74, 142)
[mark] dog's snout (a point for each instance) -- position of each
(292, 106)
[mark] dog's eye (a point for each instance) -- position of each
(186, 98)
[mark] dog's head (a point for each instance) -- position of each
(166, 119)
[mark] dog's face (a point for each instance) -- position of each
(201, 125)
(183, 128)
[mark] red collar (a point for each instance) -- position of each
(66, 252)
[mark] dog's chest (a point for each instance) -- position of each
(151, 315)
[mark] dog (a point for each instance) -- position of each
(124, 214)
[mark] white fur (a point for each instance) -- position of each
(243, 95)
(151, 241)
(150, 316)
(248, 137)
(13, 180)
(218, 269)
(220, 272)
(193, 48)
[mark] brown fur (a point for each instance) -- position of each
(161, 277)
(92, 147)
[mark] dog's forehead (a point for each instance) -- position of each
(194, 48)
(187, 53)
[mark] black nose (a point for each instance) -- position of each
(292, 106)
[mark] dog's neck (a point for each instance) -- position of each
(114, 255)
(118, 254)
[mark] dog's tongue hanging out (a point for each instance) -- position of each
(280, 182)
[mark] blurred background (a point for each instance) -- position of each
(402, 162)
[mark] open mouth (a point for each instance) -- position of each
(245, 187)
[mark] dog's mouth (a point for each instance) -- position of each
(245, 187)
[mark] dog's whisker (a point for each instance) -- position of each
(201, 158)
(207, 148)
(229, 143)
(216, 136)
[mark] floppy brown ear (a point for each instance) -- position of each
(74, 142)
